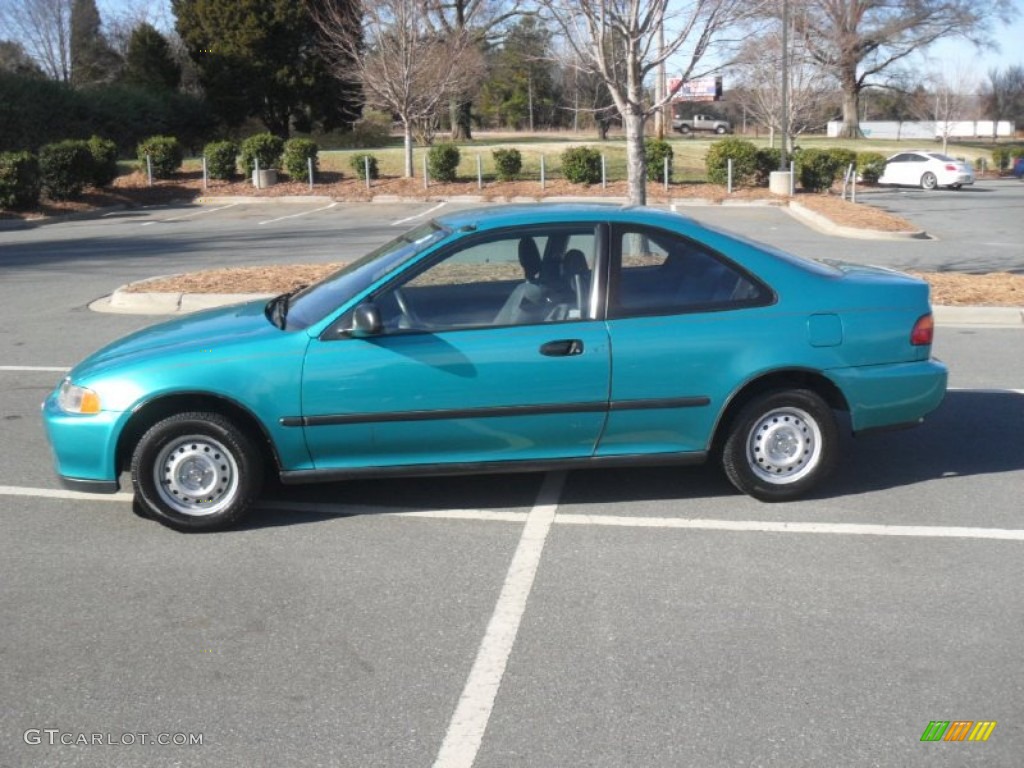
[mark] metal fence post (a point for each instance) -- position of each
(604, 172)
(309, 163)
(665, 173)
(792, 178)
(366, 170)
(149, 168)
(729, 177)
(256, 178)
(479, 173)
(426, 180)
(542, 171)
(204, 172)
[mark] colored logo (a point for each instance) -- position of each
(958, 730)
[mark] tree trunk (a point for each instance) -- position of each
(851, 103)
(462, 119)
(407, 126)
(636, 164)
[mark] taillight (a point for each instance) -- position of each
(951, 167)
(924, 331)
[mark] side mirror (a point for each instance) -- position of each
(365, 321)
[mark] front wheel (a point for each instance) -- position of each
(781, 445)
(720, 130)
(196, 472)
(929, 181)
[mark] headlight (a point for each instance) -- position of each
(75, 399)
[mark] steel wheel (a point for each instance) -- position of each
(784, 446)
(929, 181)
(196, 472)
(196, 475)
(781, 444)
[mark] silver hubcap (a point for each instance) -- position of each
(784, 446)
(196, 475)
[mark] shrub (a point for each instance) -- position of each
(766, 160)
(1016, 152)
(657, 151)
(581, 165)
(372, 130)
(744, 161)
(870, 165)
(19, 180)
(359, 164)
(297, 153)
(508, 163)
(1001, 158)
(104, 161)
(443, 162)
(265, 147)
(165, 153)
(65, 168)
(221, 159)
(816, 169)
(843, 158)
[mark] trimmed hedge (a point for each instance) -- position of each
(359, 164)
(443, 162)
(297, 153)
(1001, 158)
(19, 180)
(221, 159)
(265, 147)
(870, 166)
(581, 165)
(104, 161)
(656, 151)
(508, 163)
(65, 168)
(817, 168)
(766, 161)
(166, 155)
(744, 161)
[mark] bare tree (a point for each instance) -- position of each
(43, 27)
(1003, 96)
(481, 20)
(857, 40)
(619, 40)
(403, 66)
(810, 88)
(948, 101)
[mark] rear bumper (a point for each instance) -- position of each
(900, 394)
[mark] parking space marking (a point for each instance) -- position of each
(472, 713)
(297, 215)
(57, 493)
(27, 368)
(764, 526)
(190, 215)
(418, 215)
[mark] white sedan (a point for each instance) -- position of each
(927, 170)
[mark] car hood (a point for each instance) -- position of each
(196, 334)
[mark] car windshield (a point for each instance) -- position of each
(314, 303)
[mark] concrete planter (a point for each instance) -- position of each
(779, 183)
(261, 179)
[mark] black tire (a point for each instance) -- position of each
(781, 444)
(196, 472)
(720, 130)
(685, 129)
(929, 181)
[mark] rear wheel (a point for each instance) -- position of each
(720, 130)
(781, 445)
(196, 472)
(928, 181)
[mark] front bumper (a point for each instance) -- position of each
(83, 447)
(883, 396)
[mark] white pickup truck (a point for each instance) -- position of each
(686, 125)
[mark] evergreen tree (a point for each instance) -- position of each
(149, 61)
(93, 61)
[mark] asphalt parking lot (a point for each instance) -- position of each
(617, 618)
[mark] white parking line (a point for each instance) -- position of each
(56, 493)
(190, 215)
(466, 729)
(418, 215)
(15, 368)
(297, 215)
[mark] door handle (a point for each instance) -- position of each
(562, 348)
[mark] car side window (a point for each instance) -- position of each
(537, 276)
(660, 273)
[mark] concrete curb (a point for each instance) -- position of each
(824, 224)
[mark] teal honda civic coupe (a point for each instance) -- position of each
(512, 338)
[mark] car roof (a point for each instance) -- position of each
(500, 216)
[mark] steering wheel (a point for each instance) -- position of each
(406, 309)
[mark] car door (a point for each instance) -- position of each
(487, 353)
(681, 320)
